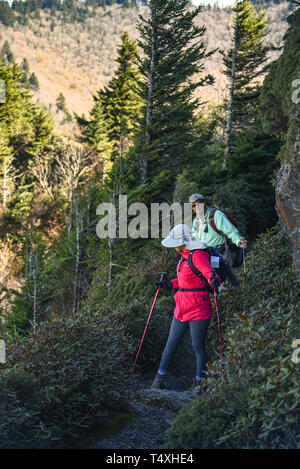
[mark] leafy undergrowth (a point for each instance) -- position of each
(255, 401)
(74, 370)
(63, 379)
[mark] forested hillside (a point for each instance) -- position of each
(76, 58)
(73, 303)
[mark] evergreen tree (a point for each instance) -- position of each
(25, 65)
(173, 57)
(25, 68)
(117, 107)
(97, 133)
(27, 126)
(7, 16)
(34, 83)
(61, 103)
(6, 53)
(244, 64)
(15, 113)
(42, 129)
(119, 103)
(7, 170)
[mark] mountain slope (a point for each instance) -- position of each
(77, 59)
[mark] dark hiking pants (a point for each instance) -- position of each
(198, 330)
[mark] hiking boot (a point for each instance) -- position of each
(199, 387)
(159, 382)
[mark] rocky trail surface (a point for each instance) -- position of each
(153, 411)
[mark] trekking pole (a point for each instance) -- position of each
(153, 304)
(219, 323)
(218, 317)
(244, 260)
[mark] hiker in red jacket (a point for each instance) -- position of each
(193, 306)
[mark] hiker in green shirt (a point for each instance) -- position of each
(203, 229)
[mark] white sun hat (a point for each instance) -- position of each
(180, 235)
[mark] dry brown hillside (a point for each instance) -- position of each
(77, 59)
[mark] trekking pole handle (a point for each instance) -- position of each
(162, 276)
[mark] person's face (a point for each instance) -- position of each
(180, 248)
(198, 206)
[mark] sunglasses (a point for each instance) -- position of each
(195, 203)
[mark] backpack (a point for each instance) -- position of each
(236, 252)
(223, 270)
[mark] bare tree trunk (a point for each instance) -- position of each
(77, 259)
(32, 273)
(149, 114)
(71, 208)
(110, 249)
(35, 282)
(88, 207)
(229, 123)
(111, 242)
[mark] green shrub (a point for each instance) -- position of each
(200, 423)
(77, 368)
(17, 423)
(134, 317)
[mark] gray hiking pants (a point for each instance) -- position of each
(198, 330)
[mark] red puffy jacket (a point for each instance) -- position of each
(192, 306)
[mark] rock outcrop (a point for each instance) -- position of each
(288, 200)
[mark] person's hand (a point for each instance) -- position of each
(165, 283)
(243, 243)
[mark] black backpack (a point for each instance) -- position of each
(223, 271)
(235, 251)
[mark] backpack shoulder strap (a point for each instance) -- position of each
(212, 222)
(194, 269)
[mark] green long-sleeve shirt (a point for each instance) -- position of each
(212, 238)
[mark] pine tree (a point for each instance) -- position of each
(7, 170)
(97, 133)
(61, 103)
(27, 126)
(25, 68)
(42, 129)
(7, 16)
(244, 64)
(34, 83)
(6, 53)
(171, 66)
(25, 65)
(120, 100)
(15, 113)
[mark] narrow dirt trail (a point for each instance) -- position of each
(153, 412)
